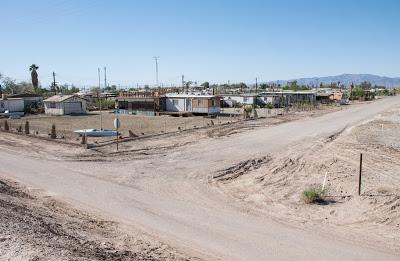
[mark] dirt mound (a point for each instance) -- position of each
(241, 169)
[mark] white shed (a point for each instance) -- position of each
(64, 105)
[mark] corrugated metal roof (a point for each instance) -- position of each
(23, 95)
(59, 98)
(176, 95)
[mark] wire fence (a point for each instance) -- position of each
(41, 125)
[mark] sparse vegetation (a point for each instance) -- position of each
(313, 195)
(53, 133)
(105, 105)
(27, 127)
(6, 127)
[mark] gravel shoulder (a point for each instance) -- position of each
(34, 226)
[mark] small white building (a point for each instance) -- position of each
(11, 105)
(64, 105)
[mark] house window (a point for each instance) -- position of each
(175, 102)
(199, 103)
(52, 105)
(212, 103)
(245, 99)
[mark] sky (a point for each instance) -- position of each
(218, 41)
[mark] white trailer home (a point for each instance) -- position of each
(196, 104)
(286, 98)
(238, 100)
(11, 105)
(64, 105)
(29, 99)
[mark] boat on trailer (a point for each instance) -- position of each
(97, 133)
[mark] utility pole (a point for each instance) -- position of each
(54, 83)
(183, 83)
(256, 86)
(98, 97)
(98, 73)
(105, 77)
(156, 59)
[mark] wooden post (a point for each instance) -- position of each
(359, 177)
(117, 139)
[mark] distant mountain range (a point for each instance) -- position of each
(347, 79)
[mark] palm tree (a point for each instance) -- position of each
(34, 75)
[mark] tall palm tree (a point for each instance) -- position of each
(34, 75)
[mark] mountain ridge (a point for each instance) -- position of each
(346, 79)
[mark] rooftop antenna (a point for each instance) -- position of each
(156, 59)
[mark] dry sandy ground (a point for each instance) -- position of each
(40, 125)
(274, 183)
(140, 125)
(38, 227)
(234, 192)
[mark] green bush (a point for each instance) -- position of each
(105, 105)
(313, 195)
(269, 106)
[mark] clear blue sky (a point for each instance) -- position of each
(212, 40)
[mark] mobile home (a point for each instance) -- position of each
(196, 104)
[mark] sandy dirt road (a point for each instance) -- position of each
(169, 193)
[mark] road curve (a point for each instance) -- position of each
(172, 201)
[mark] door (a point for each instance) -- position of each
(188, 105)
(72, 107)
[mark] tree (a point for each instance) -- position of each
(365, 85)
(242, 86)
(206, 85)
(34, 76)
(187, 85)
(112, 88)
(11, 87)
(74, 89)
(293, 84)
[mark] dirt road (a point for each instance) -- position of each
(169, 193)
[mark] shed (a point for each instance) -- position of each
(64, 105)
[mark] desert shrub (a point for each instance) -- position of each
(53, 133)
(6, 127)
(313, 195)
(248, 108)
(27, 127)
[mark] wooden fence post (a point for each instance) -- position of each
(359, 177)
